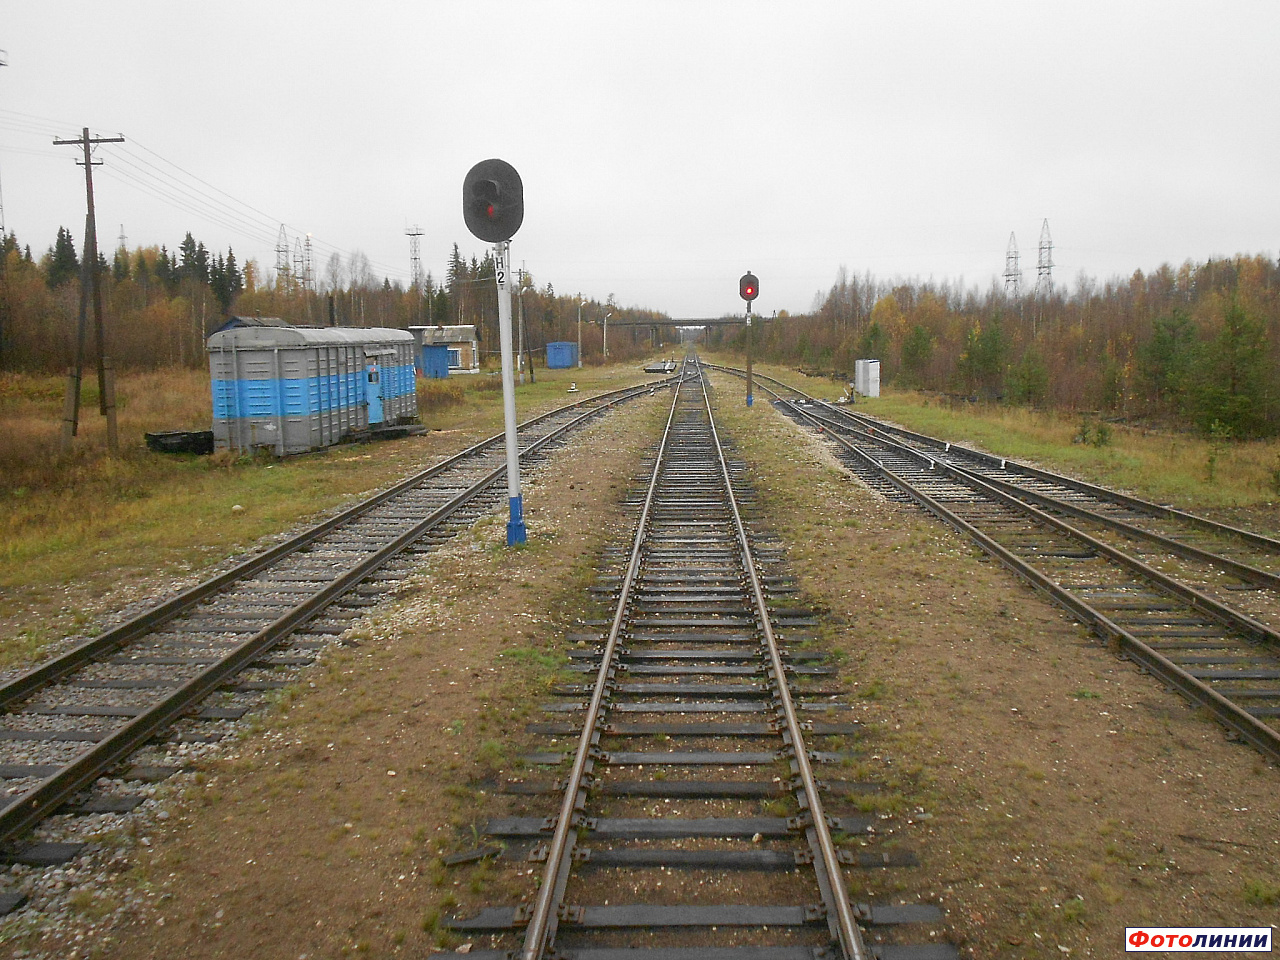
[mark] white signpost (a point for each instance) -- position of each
(516, 532)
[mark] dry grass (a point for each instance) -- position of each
(84, 532)
(1164, 465)
(31, 423)
(1168, 466)
(439, 394)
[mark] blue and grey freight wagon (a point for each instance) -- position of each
(294, 389)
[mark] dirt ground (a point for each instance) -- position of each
(1071, 796)
(1065, 795)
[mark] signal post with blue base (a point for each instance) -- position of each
(748, 290)
(493, 207)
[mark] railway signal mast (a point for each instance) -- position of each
(493, 207)
(748, 290)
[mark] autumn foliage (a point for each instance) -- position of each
(160, 306)
(1199, 344)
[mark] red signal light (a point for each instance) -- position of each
(748, 287)
(493, 200)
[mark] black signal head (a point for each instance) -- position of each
(493, 200)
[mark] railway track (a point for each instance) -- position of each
(1193, 602)
(702, 811)
(184, 669)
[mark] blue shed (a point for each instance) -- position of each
(434, 362)
(561, 355)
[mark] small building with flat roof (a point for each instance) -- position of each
(460, 341)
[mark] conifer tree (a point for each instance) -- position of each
(141, 273)
(201, 263)
(120, 268)
(164, 268)
(63, 262)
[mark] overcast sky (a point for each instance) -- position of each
(665, 147)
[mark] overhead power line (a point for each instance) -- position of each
(162, 179)
(241, 210)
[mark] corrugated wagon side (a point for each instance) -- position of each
(294, 389)
(392, 351)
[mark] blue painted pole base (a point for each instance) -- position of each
(516, 533)
(749, 398)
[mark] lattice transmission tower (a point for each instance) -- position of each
(299, 262)
(414, 234)
(1012, 270)
(1044, 271)
(283, 271)
(1044, 264)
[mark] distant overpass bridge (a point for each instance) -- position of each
(686, 322)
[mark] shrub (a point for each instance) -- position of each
(438, 394)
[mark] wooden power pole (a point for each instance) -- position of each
(90, 287)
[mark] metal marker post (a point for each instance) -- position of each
(750, 383)
(520, 345)
(515, 526)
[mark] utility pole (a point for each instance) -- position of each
(4, 62)
(4, 288)
(580, 303)
(90, 285)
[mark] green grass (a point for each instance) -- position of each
(537, 658)
(1261, 893)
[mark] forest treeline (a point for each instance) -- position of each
(160, 305)
(1197, 344)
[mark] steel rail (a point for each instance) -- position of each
(29, 808)
(28, 682)
(1149, 507)
(1265, 739)
(1264, 578)
(846, 927)
(1252, 574)
(1082, 486)
(541, 925)
(994, 490)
